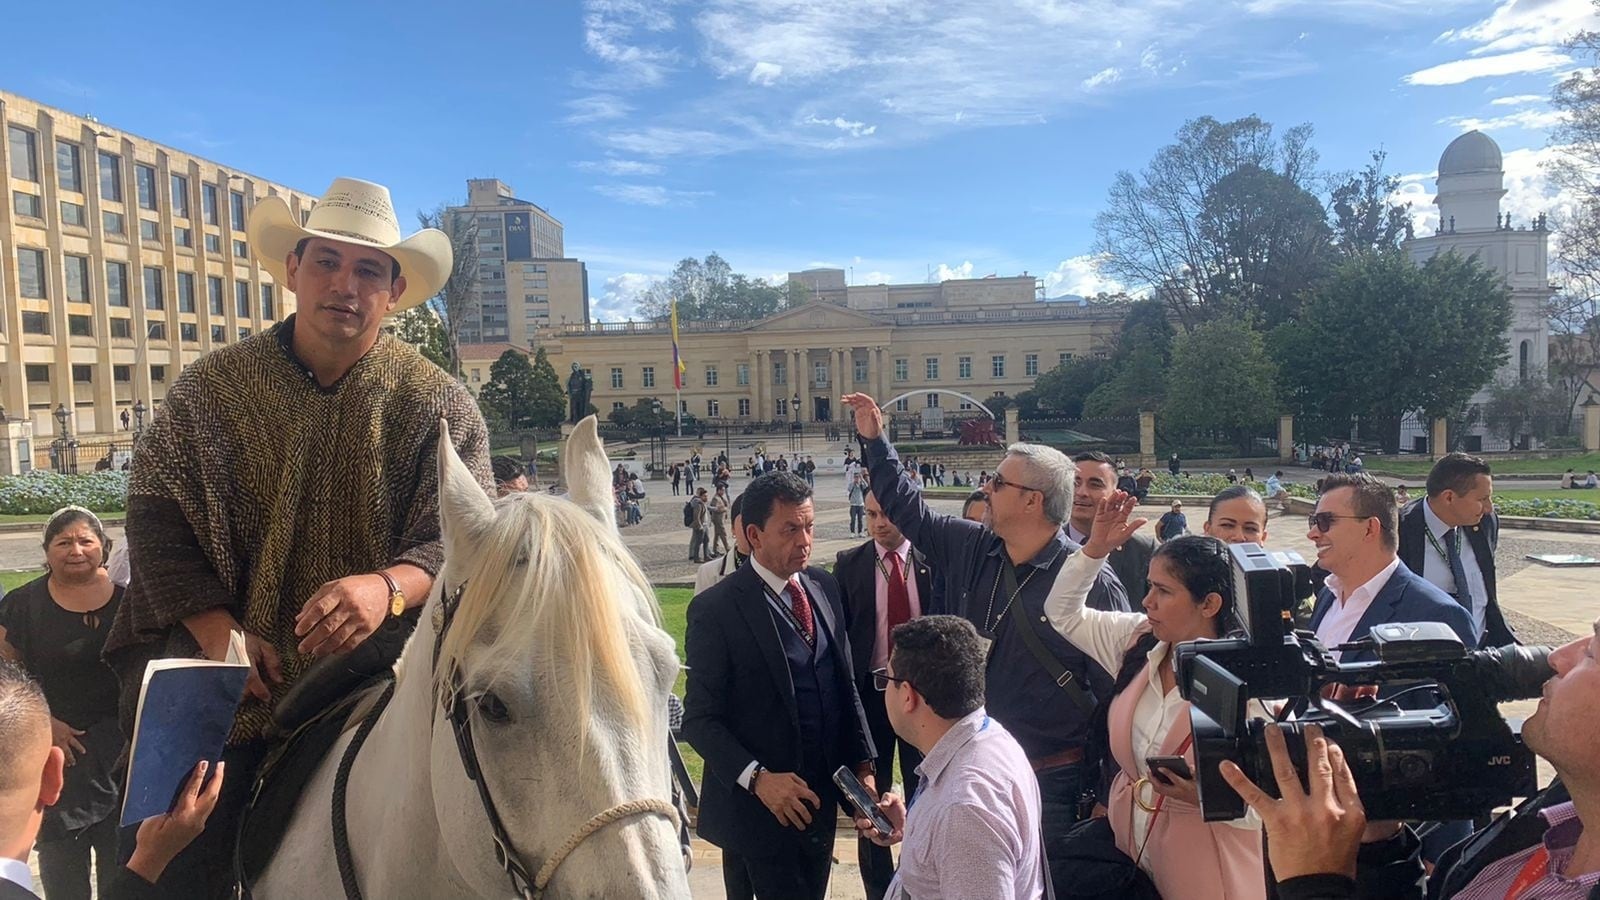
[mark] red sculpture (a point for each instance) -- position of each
(979, 433)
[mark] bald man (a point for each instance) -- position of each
(31, 775)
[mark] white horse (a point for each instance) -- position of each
(563, 671)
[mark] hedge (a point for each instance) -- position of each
(41, 492)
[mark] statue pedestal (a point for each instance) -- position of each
(566, 430)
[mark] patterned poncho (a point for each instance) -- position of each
(255, 485)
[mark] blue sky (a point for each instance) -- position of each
(896, 138)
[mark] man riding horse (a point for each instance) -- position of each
(289, 488)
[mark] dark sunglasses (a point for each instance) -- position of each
(881, 679)
(1323, 521)
(999, 481)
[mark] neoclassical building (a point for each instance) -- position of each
(1471, 185)
(903, 344)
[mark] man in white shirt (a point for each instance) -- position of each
(1449, 538)
(973, 830)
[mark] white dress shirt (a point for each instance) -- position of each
(17, 872)
(1436, 568)
(1349, 606)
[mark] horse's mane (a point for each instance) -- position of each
(576, 591)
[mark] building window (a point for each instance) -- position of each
(244, 333)
(1063, 359)
(80, 326)
(744, 407)
(69, 167)
(77, 278)
(477, 376)
(37, 373)
(963, 367)
(931, 401)
(1030, 364)
(182, 237)
(713, 409)
(269, 303)
(902, 405)
(156, 331)
(122, 374)
(647, 377)
(860, 366)
(189, 332)
(27, 204)
(24, 153)
(241, 250)
(616, 378)
(214, 294)
(931, 368)
(114, 223)
(219, 334)
(35, 322)
(711, 376)
(236, 210)
(30, 273)
(186, 292)
(208, 203)
(180, 196)
(997, 365)
(780, 407)
(213, 243)
(158, 373)
(74, 214)
(902, 369)
(1522, 360)
(780, 373)
(617, 405)
(144, 179)
(241, 299)
(82, 374)
(741, 374)
(150, 230)
(967, 404)
(819, 374)
(155, 296)
(121, 328)
(110, 177)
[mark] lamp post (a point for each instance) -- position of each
(138, 419)
(63, 442)
(656, 437)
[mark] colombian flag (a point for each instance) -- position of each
(678, 368)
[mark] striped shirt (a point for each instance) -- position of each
(1560, 839)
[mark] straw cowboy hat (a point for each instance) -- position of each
(355, 212)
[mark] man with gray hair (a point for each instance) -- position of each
(997, 575)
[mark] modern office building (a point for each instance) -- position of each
(525, 282)
(121, 261)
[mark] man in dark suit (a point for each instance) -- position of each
(771, 702)
(1096, 479)
(31, 776)
(883, 583)
(1458, 512)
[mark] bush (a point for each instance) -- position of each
(40, 492)
(1211, 484)
(1549, 509)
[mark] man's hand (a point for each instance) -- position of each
(1313, 834)
(1111, 528)
(66, 737)
(893, 809)
(213, 630)
(342, 614)
(786, 795)
(164, 837)
(869, 418)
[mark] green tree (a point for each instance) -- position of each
(708, 290)
(1383, 338)
(1222, 381)
(511, 392)
(646, 412)
(1574, 310)
(1134, 376)
(419, 326)
(548, 404)
(1363, 217)
(1536, 406)
(1268, 240)
(457, 302)
(1061, 391)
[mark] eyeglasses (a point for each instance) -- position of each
(881, 679)
(1323, 521)
(999, 481)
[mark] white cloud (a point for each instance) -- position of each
(854, 129)
(647, 194)
(619, 298)
(1518, 100)
(661, 140)
(1530, 119)
(622, 167)
(875, 278)
(945, 273)
(621, 33)
(1533, 59)
(765, 73)
(1079, 276)
(1529, 191)
(1107, 75)
(1521, 24)
(596, 108)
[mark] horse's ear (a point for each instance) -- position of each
(465, 510)
(587, 472)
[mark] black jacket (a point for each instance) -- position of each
(739, 705)
(1483, 538)
(856, 570)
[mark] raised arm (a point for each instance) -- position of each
(1102, 634)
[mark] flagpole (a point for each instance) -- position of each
(677, 399)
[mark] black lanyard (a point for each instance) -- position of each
(788, 614)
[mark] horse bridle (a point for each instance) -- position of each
(505, 852)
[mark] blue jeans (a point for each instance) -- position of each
(1060, 789)
(858, 519)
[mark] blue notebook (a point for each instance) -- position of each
(186, 709)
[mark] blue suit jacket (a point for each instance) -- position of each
(1407, 597)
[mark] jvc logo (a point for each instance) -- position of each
(1503, 760)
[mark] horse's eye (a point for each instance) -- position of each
(491, 708)
(522, 562)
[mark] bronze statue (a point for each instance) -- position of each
(579, 387)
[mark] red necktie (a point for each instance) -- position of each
(899, 597)
(802, 609)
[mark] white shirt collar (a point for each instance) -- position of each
(1077, 536)
(17, 872)
(772, 581)
(1364, 594)
(1435, 524)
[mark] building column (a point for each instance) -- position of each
(803, 385)
(791, 387)
(1286, 439)
(757, 360)
(880, 372)
(847, 371)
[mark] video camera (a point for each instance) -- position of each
(1431, 746)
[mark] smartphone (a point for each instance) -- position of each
(1160, 765)
(856, 793)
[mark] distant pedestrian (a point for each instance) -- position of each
(677, 476)
(718, 507)
(699, 527)
(857, 494)
(1172, 523)
(1173, 465)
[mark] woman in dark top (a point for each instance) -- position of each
(56, 626)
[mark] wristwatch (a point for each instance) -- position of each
(397, 597)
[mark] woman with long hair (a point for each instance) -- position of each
(1155, 812)
(55, 626)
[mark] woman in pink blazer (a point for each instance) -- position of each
(1155, 815)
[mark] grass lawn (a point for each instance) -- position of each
(1552, 467)
(11, 580)
(674, 617)
(1553, 494)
